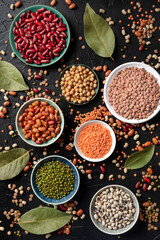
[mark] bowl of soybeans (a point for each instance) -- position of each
(78, 84)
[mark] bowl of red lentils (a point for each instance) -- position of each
(95, 141)
(39, 122)
(132, 92)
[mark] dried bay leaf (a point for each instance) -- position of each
(10, 78)
(140, 159)
(12, 162)
(43, 220)
(98, 34)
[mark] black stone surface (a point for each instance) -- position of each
(82, 229)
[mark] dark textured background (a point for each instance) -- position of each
(82, 229)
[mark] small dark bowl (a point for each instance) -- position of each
(62, 74)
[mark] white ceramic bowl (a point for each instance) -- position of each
(112, 75)
(77, 135)
(107, 230)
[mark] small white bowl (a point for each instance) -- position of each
(107, 230)
(112, 75)
(77, 135)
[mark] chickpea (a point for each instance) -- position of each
(93, 92)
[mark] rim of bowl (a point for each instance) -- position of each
(53, 156)
(52, 61)
(62, 74)
(132, 196)
(112, 75)
(112, 136)
(35, 144)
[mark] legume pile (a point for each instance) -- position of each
(140, 30)
(114, 208)
(78, 84)
(95, 141)
(40, 122)
(55, 179)
(134, 93)
(39, 36)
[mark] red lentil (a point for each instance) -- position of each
(95, 141)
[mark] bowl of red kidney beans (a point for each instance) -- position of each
(39, 35)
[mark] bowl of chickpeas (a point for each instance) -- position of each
(78, 84)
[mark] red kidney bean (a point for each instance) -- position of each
(56, 54)
(26, 98)
(35, 47)
(33, 15)
(34, 39)
(102, 169)
(129, 125)
(144, 187)
(35, 90)
(28, 20)
(61, 29)
(47, 28)
(23, 15)
(23, 56)
(138, 185)
(43, 31)
(147, 180)
(15, 38)
(48, 91)
(44, 41)
(45, 52)
(56, 50)
(40, 28)
(55, 20)
(41, 10)
(60, 231)
(37, 77)
(39, 18)
(45, 61)
(63, 208)
(30, 51)
(38, 36)
(22, 44)
(29, 60)
(37, 62)
(41, 56)
(125, 129)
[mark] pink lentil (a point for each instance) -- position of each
(95, 141)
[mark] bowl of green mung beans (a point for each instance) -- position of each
(55, 180)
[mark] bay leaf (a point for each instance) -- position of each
(140, 159)
(43, 220)
(10, 78)
(12, 162)
(98, 34)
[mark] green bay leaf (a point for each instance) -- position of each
(140, 159)
(10, 78)
(12, 162)
(43, 220)
(98, 34)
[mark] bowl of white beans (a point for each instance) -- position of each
(114, 209)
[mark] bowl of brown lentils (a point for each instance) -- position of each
(132, 92)
(78, 84)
